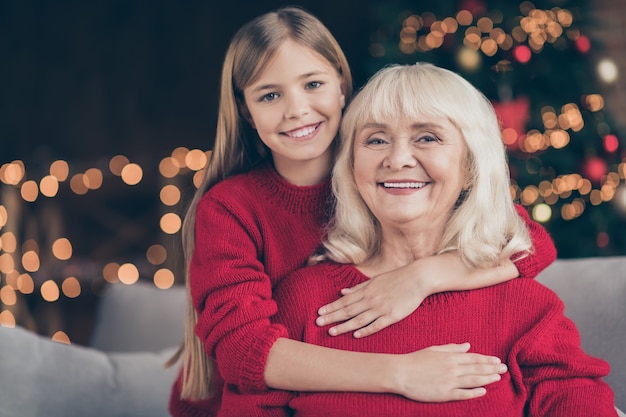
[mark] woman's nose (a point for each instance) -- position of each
(400, 156)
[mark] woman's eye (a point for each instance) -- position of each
(269, 97)
(374, 141)
(313, 84)
(427, 138)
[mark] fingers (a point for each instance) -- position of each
(478, 359)
(364, 319)
(467, 394)
(479, 375)
(354, 289)
(350, 311)
(451, 347)
(357, 324)
(337, 306)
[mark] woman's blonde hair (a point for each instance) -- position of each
(484, 227)
(238, 148)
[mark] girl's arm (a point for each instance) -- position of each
(435, 374)
(235, 301)
(392, 296)
(544, 251)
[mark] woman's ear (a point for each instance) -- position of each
(245, 113)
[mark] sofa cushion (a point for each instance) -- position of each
(139, 317)
(594, 293)
(39, 377)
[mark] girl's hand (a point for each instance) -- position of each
(388, 298)
(373, 305)
(445, 373)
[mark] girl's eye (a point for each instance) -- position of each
(269, 97)
(313, 84)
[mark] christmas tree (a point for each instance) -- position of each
(533, 61)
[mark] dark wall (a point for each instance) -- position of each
(83, 79)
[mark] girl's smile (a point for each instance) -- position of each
(304, 133)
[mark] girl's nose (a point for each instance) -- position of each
(297, 106)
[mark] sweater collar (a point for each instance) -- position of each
(313, 199)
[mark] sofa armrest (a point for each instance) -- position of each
(139, 317)
(45, 378)
(594, 293)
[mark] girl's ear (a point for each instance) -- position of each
(342, 100)
(245, 113)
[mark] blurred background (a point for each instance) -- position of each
(108, 110)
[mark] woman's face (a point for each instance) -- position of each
(410, 171)
(296, 105)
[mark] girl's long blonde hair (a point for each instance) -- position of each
(237, 147)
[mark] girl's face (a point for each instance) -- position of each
(296, 106)
(410, 171)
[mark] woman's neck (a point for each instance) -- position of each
(399, 248)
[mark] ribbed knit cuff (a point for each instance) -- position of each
(252, 364)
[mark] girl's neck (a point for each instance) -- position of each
(305, 172)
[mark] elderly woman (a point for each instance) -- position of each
(422, 170)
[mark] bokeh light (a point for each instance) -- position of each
(60, 170)
(61, 337)
(170, 223)
(128, 274)
(607, 70)
(132, 174)
(170, 195)
(50, 291)
(156, 254)
(163, 278)
(71, 287)
(117, 164)
(62, 249)
(49, 186)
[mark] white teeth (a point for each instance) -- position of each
(302, 132)
(404, 184)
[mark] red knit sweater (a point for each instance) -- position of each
(520, 321)
(251, 230)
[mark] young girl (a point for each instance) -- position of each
(261, 211)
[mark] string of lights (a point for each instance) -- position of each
(20, 261)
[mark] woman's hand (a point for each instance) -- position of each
(445, 373)
(373, 305)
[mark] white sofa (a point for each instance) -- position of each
(140, 326)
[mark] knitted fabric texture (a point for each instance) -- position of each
(252, 230)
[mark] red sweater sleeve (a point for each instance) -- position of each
(562, 380)
(233, 295)
(544, 251)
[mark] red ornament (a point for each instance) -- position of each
(594, 169)
(513, 116)
(611, 143)
(522, 53)
(583, 44)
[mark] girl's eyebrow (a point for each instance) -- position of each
(274, 86)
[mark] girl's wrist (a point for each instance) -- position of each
(391, 380)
